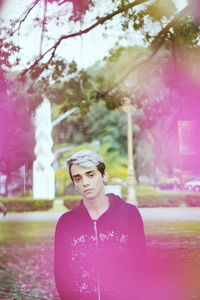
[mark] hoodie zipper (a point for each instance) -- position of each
(97, 249)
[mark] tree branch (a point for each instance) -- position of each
(25, 16)
(99, 21)
(160, 37)
(43, 27)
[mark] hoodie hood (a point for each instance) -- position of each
(114, 202)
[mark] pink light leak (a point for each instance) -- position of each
(1, 3)
(195, 9)
(176, 120)
(16, 130)
(2, 83)
(79, 7)
(188, 142)
(166, 275)
(181, 81)
(171, 274)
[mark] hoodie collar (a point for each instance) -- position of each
(114, 201)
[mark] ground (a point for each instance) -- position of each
(26, 258)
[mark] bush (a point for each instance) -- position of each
(147, 190)
(192, 200)
(157, 200)
(170, 200)
(149, 196)
(71, 203)
(160, 201)
(26, 204)
(72, 197)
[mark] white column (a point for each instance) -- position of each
(43, 173)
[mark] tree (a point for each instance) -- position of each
(65, 84)
(158, 94)
(17, 138)
(175, 30)
(99, 123)
(16, 130)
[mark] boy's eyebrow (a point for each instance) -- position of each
(76, 175)
(79, 175)
(91, 171)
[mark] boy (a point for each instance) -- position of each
(99, 245)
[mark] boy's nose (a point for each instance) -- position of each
(85, 181)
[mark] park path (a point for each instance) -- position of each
(148, 214)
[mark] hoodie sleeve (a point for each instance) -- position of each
(62, 259)
(136, 257)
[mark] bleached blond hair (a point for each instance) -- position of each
(86, 158)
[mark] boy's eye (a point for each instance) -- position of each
(90, 175)
(77, 179)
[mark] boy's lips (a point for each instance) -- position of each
(87, 191)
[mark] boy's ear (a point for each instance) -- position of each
(105, 177)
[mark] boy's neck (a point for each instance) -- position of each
(96, 206)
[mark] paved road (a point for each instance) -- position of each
(153, 214)
(171, 213)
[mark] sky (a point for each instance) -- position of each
(86, 50)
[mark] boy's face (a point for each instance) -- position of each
(88, 182)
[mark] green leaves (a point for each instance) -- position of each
(186, 32)
(158, 10)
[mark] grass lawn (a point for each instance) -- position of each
(26, 258)
(174, 249)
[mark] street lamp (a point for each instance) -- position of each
(131, 174)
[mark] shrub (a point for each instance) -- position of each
(170, 200)
(71, 203)
(192, 200)
(157, 200)
(26, 204)
(160, 201)
(148, 196)
(146, 190)
(71, 197)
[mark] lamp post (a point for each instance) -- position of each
(131, 174)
